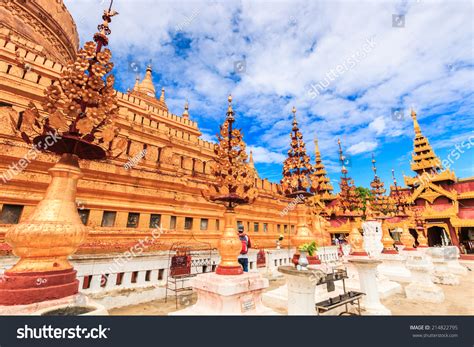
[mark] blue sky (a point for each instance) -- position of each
(345, 65)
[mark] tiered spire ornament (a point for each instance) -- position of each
(349, 200)
(424, 158)
(81, 110)
(382, 205)
(296, 182)
(350, 204)
(321, 183)
(234, 185)
(401, 201)
(297, 168)
(81, 106)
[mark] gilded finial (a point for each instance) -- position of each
(101, 37)
(162, 97)
(186, 108)
(316, 145)
(415, 122)
(230, 111)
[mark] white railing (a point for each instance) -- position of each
(114, 280)
(328, 254)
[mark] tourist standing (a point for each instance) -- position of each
(243, 257)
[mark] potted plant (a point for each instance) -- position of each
(309, 251)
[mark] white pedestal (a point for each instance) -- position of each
(385, 286)
(422, 287)
(228, 295)
(301, 289)
(372, 237)
(368, 285)
(40, 308)
(393, 267)
(279, 298)
(452, 255)
(442, 274)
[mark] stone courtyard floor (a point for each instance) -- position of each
(459, 300)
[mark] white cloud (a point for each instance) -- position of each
(362, 147)
(377, 125)
(263, 155)
(287, 46)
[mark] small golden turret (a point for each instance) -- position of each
(186, 110)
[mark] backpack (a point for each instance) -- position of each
(245, 240)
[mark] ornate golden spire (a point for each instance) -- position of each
(382, 204)
(316, 147)
(252, 164)
(424, 158)
(415, 123)
(137, 84)
(235, 181)
(400, 201)
(81, 105)
(320, 180)
(186, 108)
(297, 168)
(162, 96)
(146, 86)
(348, 199)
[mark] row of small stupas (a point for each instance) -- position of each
(434, 198)
(165, 165)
